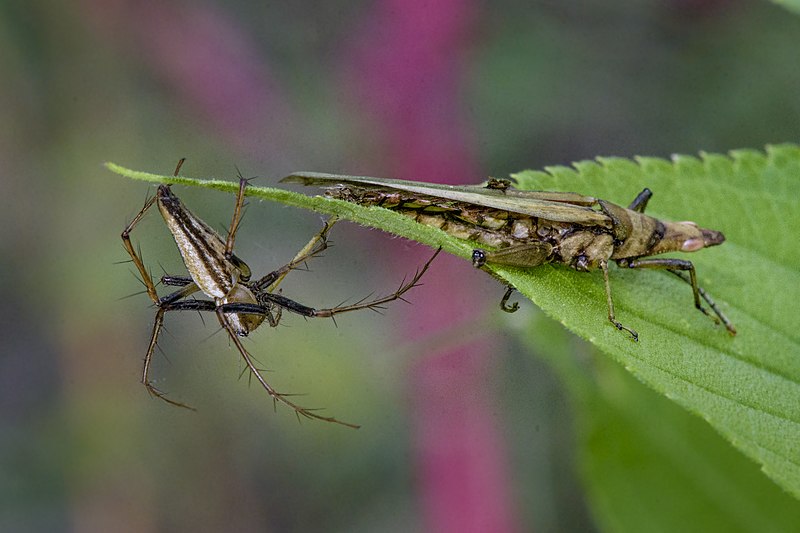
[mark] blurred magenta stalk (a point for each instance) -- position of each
(215, 72)
(406, 66)
(408, 63)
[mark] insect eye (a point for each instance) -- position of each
(478, 258)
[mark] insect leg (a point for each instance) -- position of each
(523, 255)
(377, 303)
(640, 202)
(276, 396)
(237, 217)
(711, 303)
(610, 302)
(676, 266)
(315, 246)
(158, 323)
(504, 301)
(188, 289)
(176, 281)
(126, 242)
(270, 299)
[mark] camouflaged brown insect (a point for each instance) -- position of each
(532, 228)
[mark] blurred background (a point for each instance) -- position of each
(467, 423)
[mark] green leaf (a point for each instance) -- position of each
(747, 387)
(374, 217)
(649, 465)
(791, 5)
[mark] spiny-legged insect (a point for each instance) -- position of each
(532, 228)
(240, 304)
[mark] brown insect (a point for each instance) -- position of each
(240, 304)
(532, 228)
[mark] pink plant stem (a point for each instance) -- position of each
(216, 74)
(408, 63)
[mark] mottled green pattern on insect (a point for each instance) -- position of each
(532, 228)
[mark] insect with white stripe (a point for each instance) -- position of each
(240, 303)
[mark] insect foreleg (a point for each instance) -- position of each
(676, 266)
(610, 302)
(711, 303)
(237, 217)
(126, 242)
(314, 247)
(669, 264)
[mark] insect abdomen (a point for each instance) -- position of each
(486, 226)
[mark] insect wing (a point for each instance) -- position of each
(556, 206)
